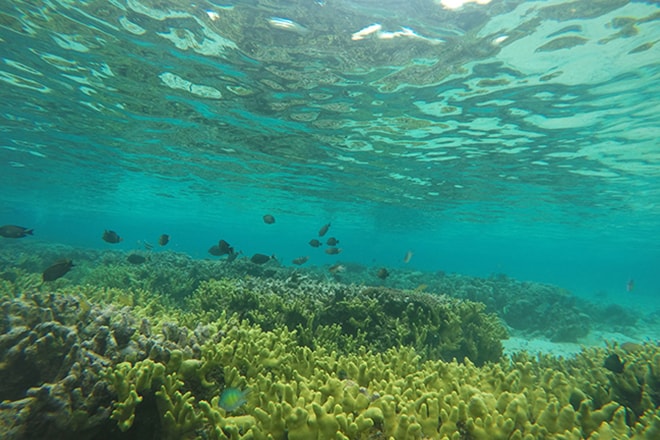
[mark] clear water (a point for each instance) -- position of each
(516, 137)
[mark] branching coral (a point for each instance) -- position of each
(317, 395)
(345, 317)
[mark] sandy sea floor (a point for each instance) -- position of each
(595, 338)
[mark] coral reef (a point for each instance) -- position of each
(535, 308)
(50, 363)
(531, 308)
(83, 362)
(55, 348)
(342, 317)
(302, 394)
(132, 357)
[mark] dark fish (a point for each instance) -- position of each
(613, 363)
(57, 270)
(332, 241)
(260, 258)
(232, 256)
(136, 259)
(324, 229)
(164, 239)
(300, 260)
(332, 251)
(111, 237)
(382, 273)
(314, 242)
(225, 248)
(215, 250)
(337, 268)
(222, 248)
(11, 231)
(269, 219)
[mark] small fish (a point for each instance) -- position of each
(222, 248)
(365, 32)
(57, 270)
(337, 268)
(332, 251)
(613, 363)
(324, 229)
(232, 398)
(148, 246)
(215, 251)
(382, 273)
(300, 260)
(261, 258)
(12, 231)
(111, 237)
(314, 242)
(225, 248)
(232, 256)
(287, 25)
(332, 241)
(136, 259)
(408, 257)
(269, 219)
(164, 239)
(630, 285)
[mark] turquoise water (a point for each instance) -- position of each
(516, 137)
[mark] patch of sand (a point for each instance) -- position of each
(566, 349)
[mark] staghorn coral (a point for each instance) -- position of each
(317, 395)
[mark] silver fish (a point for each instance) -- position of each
(287, 25)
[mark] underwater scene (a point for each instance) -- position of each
(330, 219)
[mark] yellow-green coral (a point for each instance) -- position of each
(299, 393)
(128, 382)
(342, 318)
(313, 393)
